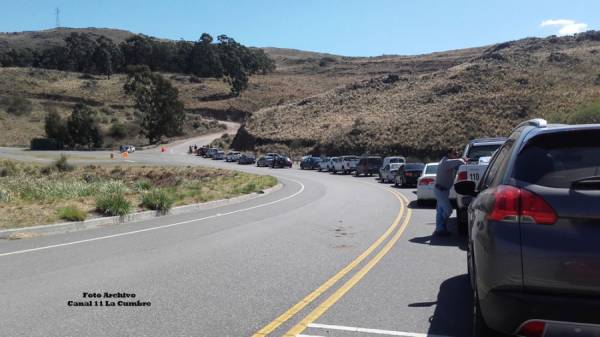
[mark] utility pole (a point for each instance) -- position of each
(57, 11)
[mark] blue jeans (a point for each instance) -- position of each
(443, 209)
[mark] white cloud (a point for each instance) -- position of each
(566, 27)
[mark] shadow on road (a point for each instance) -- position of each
(455, 239)
(453, 311)
(425, 205)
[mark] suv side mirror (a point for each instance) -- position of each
(465, 188)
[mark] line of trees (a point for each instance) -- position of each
(225, 58)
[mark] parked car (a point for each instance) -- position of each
(426, 184)
(390, 160)
(388, 172)
(126, 148)
(246, 158)
(310, 162)
(211, 152)
(323, 164)
(281, 161)
(533, 257)
(264, 161)
(474, 152)
(202, 151)
(408, 174)
(219, 155)
(232, 156)
(368, 165)
(331, 164)
(345, 164)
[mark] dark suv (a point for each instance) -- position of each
(534, 233)
(368, 165)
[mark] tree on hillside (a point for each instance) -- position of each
(232, 54)
(158, 100)
(204, 60)
(56, 127)
(83, 127)
(80, 51)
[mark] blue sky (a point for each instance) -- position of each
(345, 27)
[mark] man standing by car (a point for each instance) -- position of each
(445, 178)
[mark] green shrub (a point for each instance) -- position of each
(587, 114)
(17, 106)
(113, 204)
(62, 165)
(8, 168)
(142, 185)
(157, 200)
(118, 130)
(71, 213)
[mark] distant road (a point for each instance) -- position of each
(327, 255)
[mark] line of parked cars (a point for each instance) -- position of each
(268, 160)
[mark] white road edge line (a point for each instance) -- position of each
(308, 336)
(159, 227)
(372, 331)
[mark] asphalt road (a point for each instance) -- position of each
(326, 255)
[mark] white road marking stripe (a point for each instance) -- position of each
(158, 227)
(373, 331)
(308, 336)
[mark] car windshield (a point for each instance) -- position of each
(414, 167)
(558, 159)
(476, 151)
(374, 160)
(431, 169)
(396, 160)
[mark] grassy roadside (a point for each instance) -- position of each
(32, 194)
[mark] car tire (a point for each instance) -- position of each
(420, 202)
(462, 221)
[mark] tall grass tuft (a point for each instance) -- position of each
(113, 204)
(142, 185)
(61, 164)
(158, 200)
(71, 213)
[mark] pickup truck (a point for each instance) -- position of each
(345, 164)
(478, 153)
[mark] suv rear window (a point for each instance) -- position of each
(477, 151)
(558, 159)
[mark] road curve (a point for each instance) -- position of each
(233, 270)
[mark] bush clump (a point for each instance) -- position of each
(62, 165)
(71, 213)
(157, 200)
(113, 204)
(588, 114)
(17, 106)
(142, 185)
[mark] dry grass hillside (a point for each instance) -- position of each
(445, 100)
(299, 74)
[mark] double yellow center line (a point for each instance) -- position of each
(331, 300)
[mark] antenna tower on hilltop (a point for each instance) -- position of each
(57, 18)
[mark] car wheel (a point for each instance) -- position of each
(462, 220)
(420, 202)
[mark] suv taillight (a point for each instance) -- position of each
(426, 181)
(461, 176)
(532, 329)
(513, 204)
